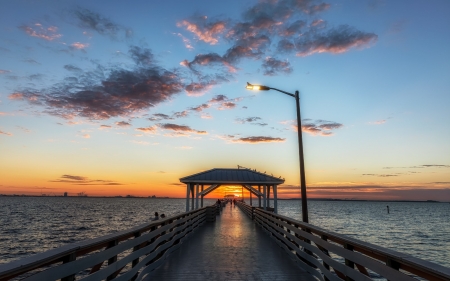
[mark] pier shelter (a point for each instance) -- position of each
(259, 184)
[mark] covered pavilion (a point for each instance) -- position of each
(257, 183)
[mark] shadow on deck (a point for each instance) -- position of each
(232, 248)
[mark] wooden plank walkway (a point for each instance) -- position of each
(232, 248)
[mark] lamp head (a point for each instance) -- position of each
(256, 87)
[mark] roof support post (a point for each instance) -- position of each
(188, 186)
(201, 200)
(275, 199)
(259, 197)
(196, 196)
(192, 196)
(264, 197)
(250, 195)
(268, 195)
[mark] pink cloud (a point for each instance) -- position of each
(79, 46)
(6, 133)
(207, 33)
(151, 129)
(39, 31)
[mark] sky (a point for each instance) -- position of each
(116, 98)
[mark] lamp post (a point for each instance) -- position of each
(300, 143)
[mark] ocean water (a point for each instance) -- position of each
(30, 225)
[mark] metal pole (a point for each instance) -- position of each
(302, 162)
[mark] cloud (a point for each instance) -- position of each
(205, 31)
(79, 46)
(293, 29)
(179, 128)
(381, 175)
(123, 124)
(105, 126)
(31, 61)
(201, 107)
(104, 26)
(70, 67)
(151, 129)
(319, 127)
(6, 133)
(379, 122)
(258, 139)
(187, 42)
(86, 136)
(420, 166)
(39, 31)
(160, 116)
(2, 71)
(104, 93)
(251, 120)
(273, 66)
(337, 40)
(79, 180)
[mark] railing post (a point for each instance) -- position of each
(135, 261)
(67, 259)
(348, 262)
(325, 251)
(112, 259)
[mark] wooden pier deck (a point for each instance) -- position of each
(232, 248)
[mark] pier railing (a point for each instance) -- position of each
(125, 255)
(331, 256)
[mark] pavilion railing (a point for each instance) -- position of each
(125, 255)
(331, 256)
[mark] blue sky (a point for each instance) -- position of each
(113, 98)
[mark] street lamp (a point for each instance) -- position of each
(300, 143)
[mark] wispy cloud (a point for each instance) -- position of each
(180, 128)
(204, 30)
(379, 122)
(251, 120)
(151, 129)
(315, 127)
(2, 71)
(123, 124)
(38, 30)
(79, 46)
(102, 25)
(80, 180)
(6, 133)
(273, 66)
(251, 139)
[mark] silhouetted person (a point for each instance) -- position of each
(156, 216)
(218, 202)
(163, 216)
(387, 209)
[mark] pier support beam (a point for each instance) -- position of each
(259, 197)
(268, 196)
(250, 195)
(192, 194)
(188, 187)
(196, 196)
(264, 197)
(201, 204)
(275, 199)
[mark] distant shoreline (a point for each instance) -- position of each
(165, 197)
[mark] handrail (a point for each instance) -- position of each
(112, 255)
(332, 256)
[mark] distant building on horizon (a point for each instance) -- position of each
(65, 194)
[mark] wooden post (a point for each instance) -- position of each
(113, 259)
(275, 199)
(135, 261)
(268, 196)
(187, 197)
(259, 196)
(192, 194)
(66, 259)
(201, 199)
(250, 195)
(264, 197)
(242, 191)
(196, 196)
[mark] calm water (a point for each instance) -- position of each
(30, 225)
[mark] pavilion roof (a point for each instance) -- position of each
(232, 176)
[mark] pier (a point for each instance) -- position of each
(224, 242)
(232, 248)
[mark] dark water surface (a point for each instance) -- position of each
(30, 225)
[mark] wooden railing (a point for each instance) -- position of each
(125, 255)
(331, 256)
